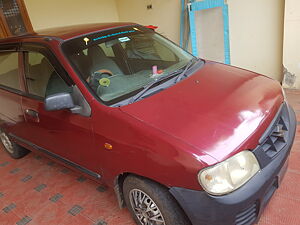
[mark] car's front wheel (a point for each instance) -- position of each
(152, 204)
(13, 149)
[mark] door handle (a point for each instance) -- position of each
(32, 113)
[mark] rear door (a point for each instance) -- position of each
(11, 89)
(61, 134)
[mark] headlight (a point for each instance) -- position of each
(230, 174)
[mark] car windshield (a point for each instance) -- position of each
(118, 63)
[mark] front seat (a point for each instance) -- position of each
(57, 85)
(83, 64)
(141, 48)
(100, 61)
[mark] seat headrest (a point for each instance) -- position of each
(83, 63)
(96, 52)
(46, 66)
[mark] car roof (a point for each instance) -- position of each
(68, 32)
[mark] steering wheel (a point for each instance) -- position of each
(104, 71)
(98, 75)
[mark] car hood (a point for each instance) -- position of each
(219, 110)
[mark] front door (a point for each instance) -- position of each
(61, 134)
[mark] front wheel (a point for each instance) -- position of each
(151, 204)
(13, 149)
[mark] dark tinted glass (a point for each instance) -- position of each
(41, 77)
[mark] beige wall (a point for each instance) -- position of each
(256, 26)
(256, 35)
(53, 13)
(291, 55)
(256, 29)
(165, 14)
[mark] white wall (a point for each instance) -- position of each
(291, 53)
(54, 13)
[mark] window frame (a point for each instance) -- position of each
(14, 48)
(44, 50)
(4, 25)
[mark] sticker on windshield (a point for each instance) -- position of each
(105, 82)
(114, 34)
(86, 40)
(124, 39)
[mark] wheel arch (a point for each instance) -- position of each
(118, 186)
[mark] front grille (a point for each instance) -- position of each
(247, 216)
(277, 135)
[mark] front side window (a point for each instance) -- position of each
(9, 73)
(41, 78)
(118, 63)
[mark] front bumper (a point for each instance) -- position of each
(245, 205)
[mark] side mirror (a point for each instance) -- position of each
(59, 101)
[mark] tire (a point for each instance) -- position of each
(164, 206)
(13, 149)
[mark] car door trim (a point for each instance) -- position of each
(55, 156)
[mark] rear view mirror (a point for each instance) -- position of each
(59, 101)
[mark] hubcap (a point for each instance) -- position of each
(145, 208)
(6, 142)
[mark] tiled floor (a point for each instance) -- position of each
(36, 191)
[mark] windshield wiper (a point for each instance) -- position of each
(185, 69)
(181, 72)
(146, 88)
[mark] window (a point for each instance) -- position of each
(119, 63)
(14, 18)
(41, 78)
(164, 53)
(107, 50)
(9, 74)
(142, 47)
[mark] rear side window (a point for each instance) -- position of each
(9, 74)
(41, 78)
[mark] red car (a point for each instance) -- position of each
(180, 139)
